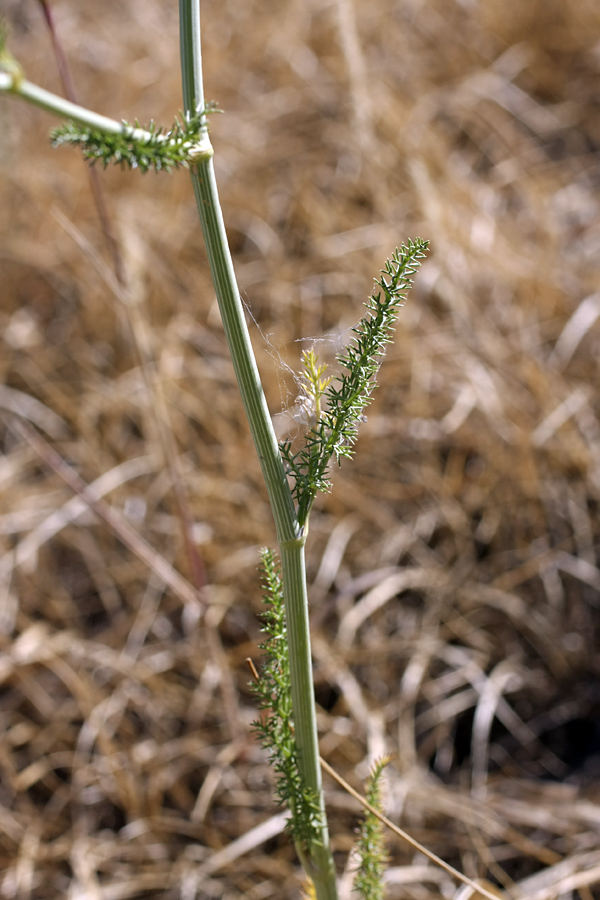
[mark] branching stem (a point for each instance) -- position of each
(64, 109)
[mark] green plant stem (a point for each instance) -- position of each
(316, 859)
(318, 863)
(238, 338)
(58, 106)
(227, 291)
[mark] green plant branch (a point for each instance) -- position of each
(64, 109)
(110, 141)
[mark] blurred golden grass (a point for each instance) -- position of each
(454, 568)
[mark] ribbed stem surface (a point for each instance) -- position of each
(317, 859)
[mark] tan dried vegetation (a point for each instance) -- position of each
(454, 577)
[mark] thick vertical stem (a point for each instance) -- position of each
(228, 295)
(317, 858)
(244, 363)
(319, 861)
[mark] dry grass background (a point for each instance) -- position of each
(454, 569)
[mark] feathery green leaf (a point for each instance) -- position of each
(336, 429)
(275, 728)
(371, 846)
(158, 149)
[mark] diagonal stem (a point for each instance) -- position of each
(65, 109)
